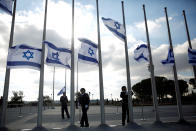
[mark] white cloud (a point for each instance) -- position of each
(29, 29)
(153, 25)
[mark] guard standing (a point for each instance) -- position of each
(64, 102)
(84, 103)
(125, 108)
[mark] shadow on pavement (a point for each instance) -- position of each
(40, 129)
(4, 129)
(172, 126)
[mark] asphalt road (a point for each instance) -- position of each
(27, 118)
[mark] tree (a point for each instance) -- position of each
(47, 100)
(170, 88)
(192, 82)
(161, 87)
(143, 89)
(183, 87)
(164, 87)
(17, 98)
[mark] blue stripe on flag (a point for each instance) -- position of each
(86, 58)
(141, 57)
(141, 46)
(6, 9)
(56, 62)
(106, 18)
(88, 42)
(192, 51)
(116, 32)
(61, 91)
(167, 62)
(56, 48)
(141, 52)
(192, 61)
(21, 63)
(170, 58)
(192, 56)
(23, 46)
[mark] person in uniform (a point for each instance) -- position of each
(64, 102)
(125, 108)
(84, 103)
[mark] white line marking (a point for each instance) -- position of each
(26, 129)
(56, 128)
(112, 125)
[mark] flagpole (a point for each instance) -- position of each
(7, 75)
(72, 108)
(178, 97)
(53, 86)
(41, 82)
(100, 70)
(130, 105)
(189, 41)
(154, 92)
(79, 109)
(65, 80)
(77, 77)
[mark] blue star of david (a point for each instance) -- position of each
(90, 51)
(28, 54)
(55, 56)
(117, 25)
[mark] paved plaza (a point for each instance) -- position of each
(25, 119)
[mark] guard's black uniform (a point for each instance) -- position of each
(84, 102)
(64, 102)
(125, 108)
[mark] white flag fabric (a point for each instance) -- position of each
(23, 56)
(115, 27)
(61, 91)
(87, 52)
(6, 5)
(192, 56)
(57, 56)
(141, 53)
(170, 58)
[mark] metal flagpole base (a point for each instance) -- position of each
(183, 122)
(41, 128)
(132, 125)
(158, 123)
(103, 127)
(73, 127)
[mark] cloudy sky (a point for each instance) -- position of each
(29, 29)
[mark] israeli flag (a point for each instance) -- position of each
(141, 53)
(115, 27)
(23, 56)
(192, 56)
(170, 58)
(6, 5)
(61, 91)
(57, 56)
(87, 52)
